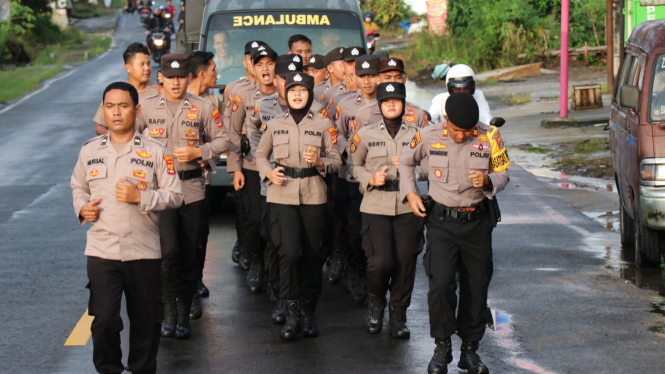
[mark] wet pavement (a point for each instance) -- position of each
(563, 289)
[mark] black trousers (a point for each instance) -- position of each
(240, 216)
(179, 233)
(348, 224)
(452, 242)
(251, 197)
(392, 245)
(271, 255)
(140, 282)
(205, 231)
(329, 228)
(296, 231)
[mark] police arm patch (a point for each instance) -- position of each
(333, 134)
(416, 140)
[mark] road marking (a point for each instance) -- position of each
(81, 332)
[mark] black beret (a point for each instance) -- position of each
(367, 65)
(351, 53)
(262, 52)
(175, 65)
(316, 62)
(391, 90)
(303, 79)
(462, 110)
(334, 55)
(290, 57)
(253, 44)
(392, 64)
(286, 64)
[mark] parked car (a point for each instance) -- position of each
(637, 139)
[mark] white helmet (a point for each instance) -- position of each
(461, 76)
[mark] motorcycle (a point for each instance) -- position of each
(145, 10)
(130, 8)
(158, 45)
(372, 37)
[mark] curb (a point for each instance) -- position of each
(571, 122)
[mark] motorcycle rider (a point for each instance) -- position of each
(368, 21)
(160, 21)
(460, 78)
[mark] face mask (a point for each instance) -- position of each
(368, 20)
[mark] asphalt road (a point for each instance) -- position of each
(559, 309)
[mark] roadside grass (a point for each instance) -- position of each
(536, 150)
(74, 47)
(391, 31)
(599, 167)
(24, 79)
(519, 99)
(84, 9)
(591, 146)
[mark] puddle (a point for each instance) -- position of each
(505, 338)
(610, 220)
(650, 278)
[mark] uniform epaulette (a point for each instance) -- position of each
(95, 138)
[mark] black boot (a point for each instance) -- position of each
(196, 310)
(279, 310)
(469, 359)
(359, 292)
(337, 267)
(243, 258)
(183, 330)
(170, 318)
(375, 309)
(350, 279)
(201, 289)
(292, 325)
(397, 323)
(309, 327)
(255, 276)
(443, 355)
(235, 253)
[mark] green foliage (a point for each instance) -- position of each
(390, 11)
(38, 6)
(536, 150)
(84, 9)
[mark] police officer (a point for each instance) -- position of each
(193, 130)
(137, 63)
(204, 77)
(392, 235)
(304, 147)
(348, 194)
(237, 255)
(300, 45)
(334, 62)
(121, 182)
(392, 70)
(333, 95)
(317, 69)
(246, 173)
(267, 108)
(460, 78)
(467, 167)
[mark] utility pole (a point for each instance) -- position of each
(609, 41)
(564, 59)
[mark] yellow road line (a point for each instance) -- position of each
(81, 332)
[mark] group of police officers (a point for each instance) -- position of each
(325, 153)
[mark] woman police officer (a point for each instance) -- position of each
(392, 234)
(304, 145)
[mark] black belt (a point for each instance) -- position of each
(190, 174)
(299, 172)
(389, 186)
(456, 213)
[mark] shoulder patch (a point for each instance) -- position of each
(333, 134)
(416, 140)
(264, 127)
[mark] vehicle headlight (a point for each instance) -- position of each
(652, 172)
(369, 45)
(159, 42)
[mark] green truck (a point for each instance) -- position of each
(638, 11)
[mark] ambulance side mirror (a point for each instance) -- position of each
(497, 122)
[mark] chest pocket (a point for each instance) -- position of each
(438, 168)
(140, 172)
(95, 172)
(281, 146)
(155, 131)
(191, 136)
(312, 141)
(480, 160)
(376, 158)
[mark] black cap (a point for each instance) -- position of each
(287, 64)
(316, 62)
(253, 44)
(351, 53)
(175, 65)
(391, 90)
(303, 79)
(462, 110)
(261, 52)
(367, 65)
(290, 57)
(334, 55)
(391, 64)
